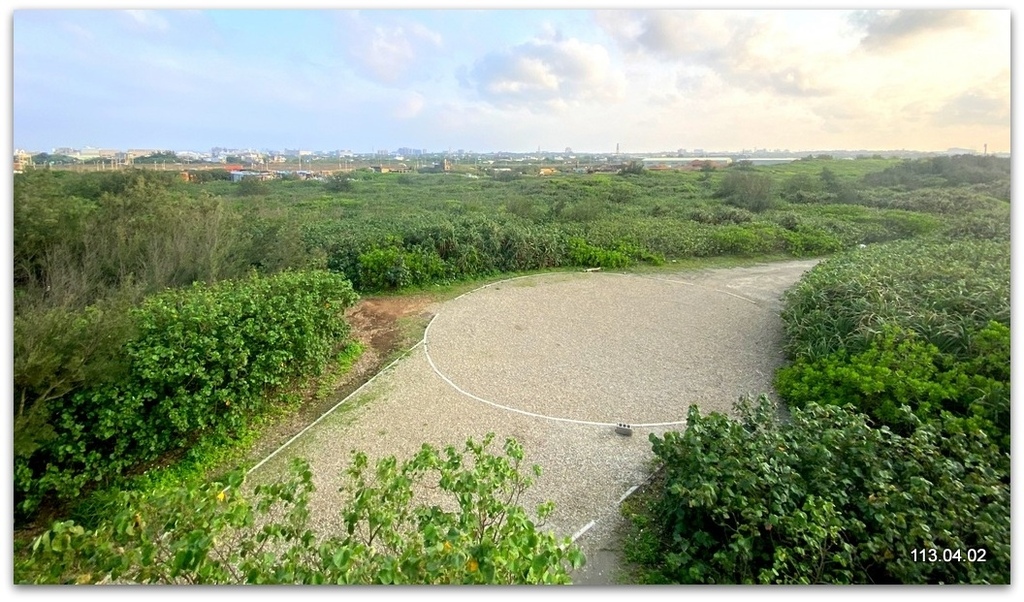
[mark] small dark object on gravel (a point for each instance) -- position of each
(624, 429)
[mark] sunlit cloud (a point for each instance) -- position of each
(387, 53)
(894, 28)
(546, 73)
(489, 79)
(148, 19)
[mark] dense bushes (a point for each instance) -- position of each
(749, 190)
(824, 498)
(922, 325)
(898, 369)
(942, 171)
(894, 465)
(944, 291)
(213, 534)
(185, 363)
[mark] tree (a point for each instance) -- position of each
(633, 168)
(252, 186)
(339, 182)
(748, 190)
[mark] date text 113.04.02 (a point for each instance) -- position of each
(949, 554)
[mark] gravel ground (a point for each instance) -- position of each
(555, 361)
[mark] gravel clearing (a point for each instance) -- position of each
(556, 360)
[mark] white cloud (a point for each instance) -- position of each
(553, 72)
(887, 29)
(750, 50)
(388, 54)
(411, 105)
(148, 19)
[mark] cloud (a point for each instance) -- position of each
(387, 53)
(976, 107)
(148, 20)
(670, 34)
(555, 72)
(887, 29)
(410, 106)
(748, 50)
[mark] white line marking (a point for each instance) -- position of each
(426, 352)
(585, 528)
(328, 412)
(433, 366)
(628, 493)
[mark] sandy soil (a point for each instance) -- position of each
(556, 361)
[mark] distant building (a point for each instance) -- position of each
(97, 153)
(237, 176)
(662, 163)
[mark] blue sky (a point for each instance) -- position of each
(649, 80)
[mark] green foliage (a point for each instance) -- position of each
(899, 371)
(942, 171)
(81, 239)
(750, 190)
(252, 186)
(802, 188)
(157, 158)
(58, 351)
(587, 255)
(823, 498)
(721, 214)
(393, 268)
(213, 534)
(203, 176)
(196, 360)
(633, 168)
(944, 291)
(507, 176)
(339, 182)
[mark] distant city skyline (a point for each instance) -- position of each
(512, 80)
(140, 150)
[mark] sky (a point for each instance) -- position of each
(517, 80)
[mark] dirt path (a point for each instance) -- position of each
(556, 360)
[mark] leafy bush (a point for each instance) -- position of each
(584, 254)
(213, 534)
(197, 360)
(252, 186)
(899, 370)
(824, 498)
(339, 182)
(944, 291)
(942, 171)
(748, 190)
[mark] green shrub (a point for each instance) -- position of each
(587, 255)
(212, 534)
(252, 186)
(825, 498)
(944, 291)
(896, 370)
(339, 182)
(748, 190)
(198, 360)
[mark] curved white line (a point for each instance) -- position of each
(433, 366)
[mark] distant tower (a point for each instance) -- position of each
(986, 148)
(616, 148)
